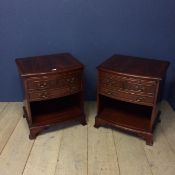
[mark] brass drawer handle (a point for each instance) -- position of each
(74, 88)
(70, 80)
(108, 81)
(135, 88)
(139, 99)
(44, 95)
(139, 89)
(42, 84)
(109, 93)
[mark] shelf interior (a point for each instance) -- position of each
(55, 110)
(125, 114)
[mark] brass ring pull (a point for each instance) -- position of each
(42, 84)
(44, 95)
(139, 99)
(109, 93)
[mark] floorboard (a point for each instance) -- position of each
(10, 116)
(73, 149)
(168, 124)
(17, 150)
(131, 155)
(102, 158)
(2, 107)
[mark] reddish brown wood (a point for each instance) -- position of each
(128, 91)
(53, 88)
(24, 112)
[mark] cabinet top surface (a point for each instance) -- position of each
(47, 64)
(135, 66)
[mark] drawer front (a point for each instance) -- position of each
(128, 84)
(50, 94)
(126, 96)
(140, 88)
(54, 81)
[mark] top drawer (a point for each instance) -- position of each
(127, 84)
(54, 81)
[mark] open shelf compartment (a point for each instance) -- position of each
(55, 110)
(125, 114)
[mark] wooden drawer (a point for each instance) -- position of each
(127, 96)
(49, 94)
(125, 83)
(54, 81)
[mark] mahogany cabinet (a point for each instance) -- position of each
(53, 90)
(128, 92)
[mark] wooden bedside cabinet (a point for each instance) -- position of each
(128, 91)
(53, 89)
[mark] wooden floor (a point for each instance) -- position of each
(73, 149)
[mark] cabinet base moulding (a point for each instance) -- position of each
(147, 136)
